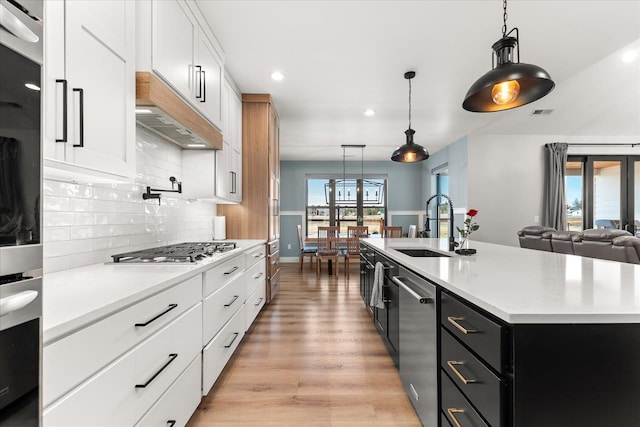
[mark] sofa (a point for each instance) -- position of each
(603, 243)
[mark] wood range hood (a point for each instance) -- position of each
(164, 113)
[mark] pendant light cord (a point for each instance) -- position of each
(409, 103)
(504, 18)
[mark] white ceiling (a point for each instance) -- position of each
(340, 58)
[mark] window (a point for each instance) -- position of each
(603, 192)
(344, 202)
(573, 192)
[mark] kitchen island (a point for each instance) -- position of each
(528, 338)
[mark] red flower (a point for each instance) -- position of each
(472, 212)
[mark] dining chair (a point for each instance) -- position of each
(354, 234)
(327, 248)
(392, 231)
(305, 251)
(413, 232)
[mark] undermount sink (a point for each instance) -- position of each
(421, 253)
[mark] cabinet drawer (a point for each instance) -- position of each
(254, 304)
(73, 359)
(274, 283)
(255, 255)
(121, 393)
(273, 246)
(273, 262)
(216, 355)
(484, 336)
(219, 275)
(483, 388)
(220, 306)
(456, 408)
(176, 406)
(255, 276)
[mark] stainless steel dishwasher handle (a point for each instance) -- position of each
(423, 300)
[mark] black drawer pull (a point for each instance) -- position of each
(454, 321)
(258, 255)
(235, 335)
(171, 307)
(452, 364)
(204, 87)
(64, 110)
(172, 357)
(199, 74)
(452, 411)
(258, 275)
(81, 114)
(259, 302)
(171, 423)
(229, 304)
(231, 271)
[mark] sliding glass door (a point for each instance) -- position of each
(603, 192)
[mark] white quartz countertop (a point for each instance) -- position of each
(525, 285)
(75, 298)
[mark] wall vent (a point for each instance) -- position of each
(542, 112)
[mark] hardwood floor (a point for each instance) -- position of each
(312, 358)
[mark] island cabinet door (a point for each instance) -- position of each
(576, 375)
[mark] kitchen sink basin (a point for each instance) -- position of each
(421, 253)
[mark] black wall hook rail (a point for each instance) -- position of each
(149, 195)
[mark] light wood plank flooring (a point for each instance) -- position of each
(312, 358)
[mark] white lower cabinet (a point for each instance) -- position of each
(150, 363)
(218, 352)
(220, 306)
(123, 391)
(64, 367)
(254, 304)
(176, 406)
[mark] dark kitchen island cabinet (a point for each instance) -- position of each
(525, 343)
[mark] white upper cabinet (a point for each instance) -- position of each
(209, 69)
(182, 54)
(89, 90)
(218, 174)
(173, 44)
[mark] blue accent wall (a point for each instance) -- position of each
(404, 193)
(455, 157)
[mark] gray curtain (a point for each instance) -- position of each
(554, 211)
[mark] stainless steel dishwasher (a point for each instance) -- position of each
(418, 344)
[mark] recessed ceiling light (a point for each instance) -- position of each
(143, 111)
(277, 76)
(629, 56)
(32, 86)
(370, 112)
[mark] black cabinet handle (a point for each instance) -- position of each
(259, 302)
(229, 304)
(235, 335)
(64, 110)
(171, 307)
(231, 271)
(199, 74)
(171, 423)
(204, 87)
(81, 99)
(172, 357)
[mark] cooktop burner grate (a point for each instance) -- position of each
(180, 253)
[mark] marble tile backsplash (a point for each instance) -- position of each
(87, 223)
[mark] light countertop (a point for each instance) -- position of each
(77, 297)
(528, 286)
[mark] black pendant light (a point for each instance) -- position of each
(410, 152)
(509, 84)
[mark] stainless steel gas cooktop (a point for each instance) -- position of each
(180, 253)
